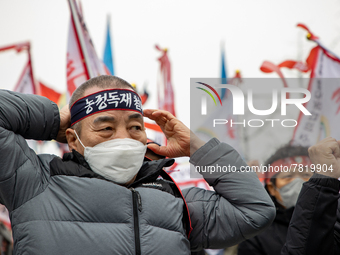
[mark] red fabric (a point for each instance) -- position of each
(336, 96)
(49, 93)
(268, 67)
(166, 99)
(291, 64)
(152, 126)
(144, 97)
(312, 36)
(312, 57)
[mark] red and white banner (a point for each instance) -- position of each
(324, 104)
(75, 69)
(82, 60)
(26, 83)
(166, 99)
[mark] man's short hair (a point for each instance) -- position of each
(104, 82)
(286, 151)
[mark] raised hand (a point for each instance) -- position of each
(178, 135)
(326, 152)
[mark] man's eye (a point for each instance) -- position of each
(136, 128)
(107, 128)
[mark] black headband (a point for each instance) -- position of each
(105, 100)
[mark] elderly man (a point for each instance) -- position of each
(101, 198)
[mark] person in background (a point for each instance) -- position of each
(315, 225)
(284, 188)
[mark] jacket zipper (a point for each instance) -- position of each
(137, 206)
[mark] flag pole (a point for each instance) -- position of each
(77, 26)
(18, 47)
(35, 89)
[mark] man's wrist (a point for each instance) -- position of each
(195, 143)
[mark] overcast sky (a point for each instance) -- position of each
(193, 31)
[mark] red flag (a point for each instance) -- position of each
(49, 93)
(166, 100)
(144, 96)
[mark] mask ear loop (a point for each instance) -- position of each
(79, 139)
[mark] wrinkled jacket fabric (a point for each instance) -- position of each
(270, 241)
(58, 207)
(314, 227)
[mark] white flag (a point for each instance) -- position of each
(324, 104)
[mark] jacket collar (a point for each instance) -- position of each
(74, 164)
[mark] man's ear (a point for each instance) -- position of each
(71, 139)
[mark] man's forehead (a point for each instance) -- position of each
(115, 115)
(96, 89)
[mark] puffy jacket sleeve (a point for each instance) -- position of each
(238, 209)
(23, 117)
(311, 229)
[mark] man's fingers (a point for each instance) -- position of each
(148, 112)
(330, 143)
(336, 149)
(160, 116)
(327, 147)
(160, 150)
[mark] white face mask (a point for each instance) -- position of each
(290, 192)
(117, 160)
